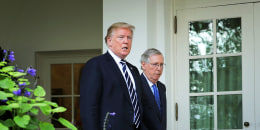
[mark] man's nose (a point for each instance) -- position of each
(125, 40)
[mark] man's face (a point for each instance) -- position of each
(120, 42)
(153, 70)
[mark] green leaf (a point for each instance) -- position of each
(34, 111)
(39, 99)
(46, 110)
(3, 63)
(34, 120)
(2, 112)
(6, 83)
(19, 99)
(39, 91)
(67, 123)
(14, 89)
(8, 68)
(17, 74)
(25, 99)
(22, 121)
(4, 95)
(9, 107)
(4, 107)
(46, 126)
(9, 123)
(3, 127)
(39, 104)
(28, 89)
(25, 107)
(54, 104)
(22, 80)
(59, 109)
(3, 75)
(26, 82)
(14, 105)
(32, 127)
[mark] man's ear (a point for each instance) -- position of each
(109, 41)
(143, 63)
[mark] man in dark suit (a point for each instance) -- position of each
(105, 84)
(152, 62)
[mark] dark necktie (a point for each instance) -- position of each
(157, 96)
(132, 94)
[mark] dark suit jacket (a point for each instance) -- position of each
(103, 89)
(154, 121)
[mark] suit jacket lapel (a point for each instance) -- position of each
(162, 93)
(151, 96)
(113, 66)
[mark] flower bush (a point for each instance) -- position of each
(22, 101)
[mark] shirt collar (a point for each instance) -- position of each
(115, 57)
(149, 82)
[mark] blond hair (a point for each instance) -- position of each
(117, 25)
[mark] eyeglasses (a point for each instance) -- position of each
(156, 65)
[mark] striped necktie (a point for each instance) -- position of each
(132, 94)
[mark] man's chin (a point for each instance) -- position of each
(125, 54)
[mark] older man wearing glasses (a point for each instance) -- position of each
(152, 62)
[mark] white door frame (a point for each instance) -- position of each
(182, 81)
(45, 59)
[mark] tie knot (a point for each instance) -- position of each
(122, 62)
(155, 90)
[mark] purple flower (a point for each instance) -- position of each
(112, 114)
(27, 94)
(4, 100)
(20, 70)
(11, 58)
(11, 52)
(18, 92)
(31, 71)
(4, 51)
(22, 84)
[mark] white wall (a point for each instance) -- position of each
(184, 4)
(133, 12)
(28, 26)
(257, 63)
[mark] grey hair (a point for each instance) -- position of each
(117, 25)
(148, 53)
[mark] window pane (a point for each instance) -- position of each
(65, 102)
(77, 72)
(229, 111)
(229, 35)
(229, 70)
(201, 75)
(61, 79)
(202, 113)
(201, 38)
